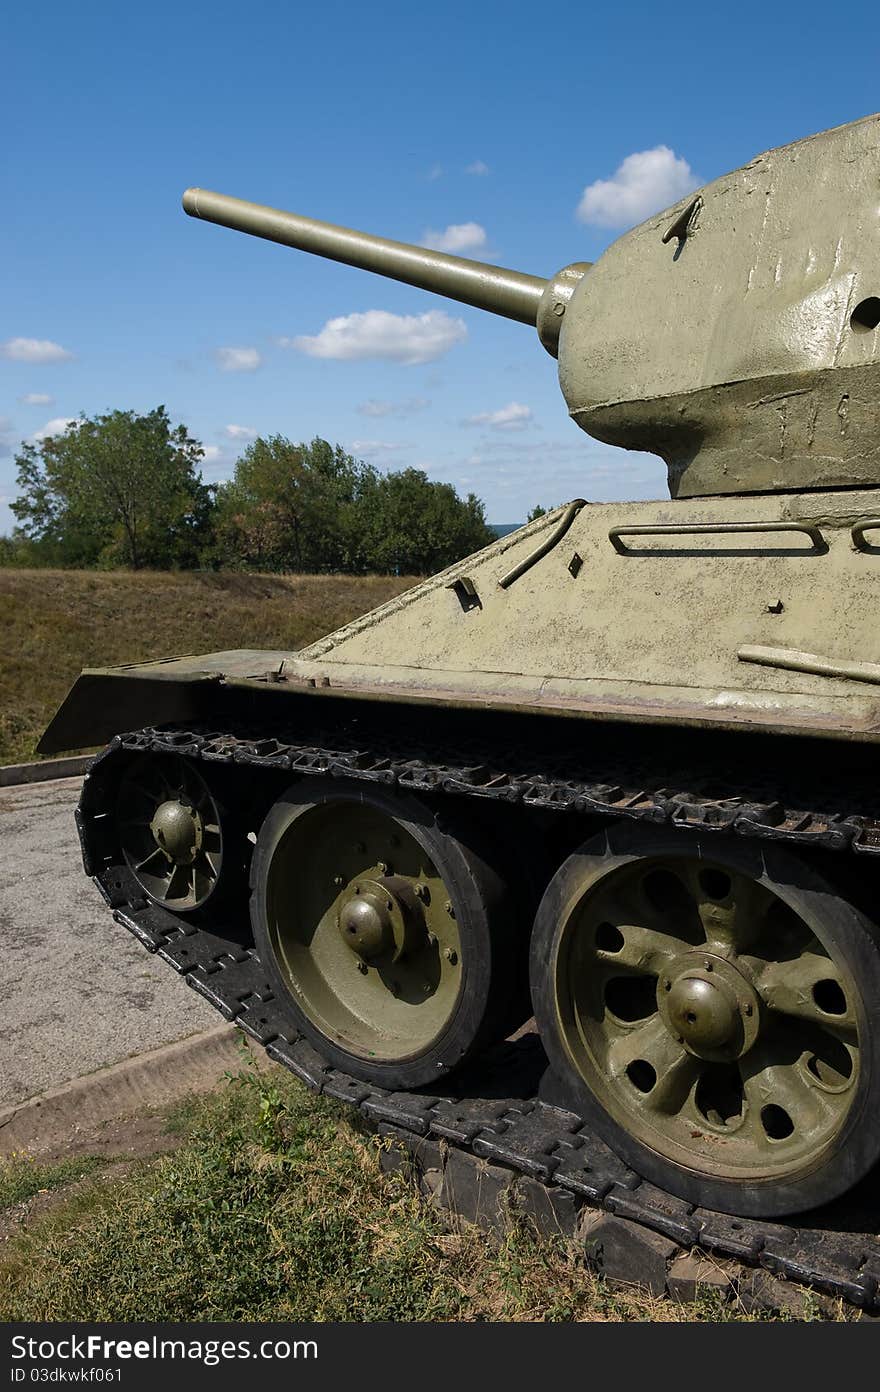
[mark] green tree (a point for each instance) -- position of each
(536, 512)
(293, 507)
(413, 526)
(118, 489)
(313, 507)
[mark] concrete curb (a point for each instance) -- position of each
(154, 1079)
(43, 770)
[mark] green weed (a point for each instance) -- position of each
(21, 1176)
(274, 1207)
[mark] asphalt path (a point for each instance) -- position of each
(77, 991)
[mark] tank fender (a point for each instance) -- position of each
(101, 704)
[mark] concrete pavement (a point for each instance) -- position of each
(77, 991)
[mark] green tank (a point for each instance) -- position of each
(617, 771)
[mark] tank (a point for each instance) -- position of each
(617, 771)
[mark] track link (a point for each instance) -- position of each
(522, 1129)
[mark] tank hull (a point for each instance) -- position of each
(700, 613)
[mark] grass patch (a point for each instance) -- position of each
(55, 622)
(21, 1177)
(274, 1208)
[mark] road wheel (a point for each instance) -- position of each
(383, 932)
(171, 831)
(711, 1006)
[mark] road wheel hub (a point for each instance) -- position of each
(366, 920)
(177, 830)
(709, 1006)
(704, 1015)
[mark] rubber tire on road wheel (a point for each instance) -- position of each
(482, 915)
(842, 929)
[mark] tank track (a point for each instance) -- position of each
(503, 1107)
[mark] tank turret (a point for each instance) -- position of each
(733, 334)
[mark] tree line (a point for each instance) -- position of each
(126, 490)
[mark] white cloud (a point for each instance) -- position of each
(513, 416)
(403, 338)
(374, 447)
(57, 426)
(478, 167)
(34, 350)
(645, 183)
(240, 432)
(238, 359)
(458, 236)
(435, 172)
(37, 399)
(210, 454)
(408, 407)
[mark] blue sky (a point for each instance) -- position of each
(480, 123)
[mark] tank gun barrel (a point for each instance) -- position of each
(512, 294)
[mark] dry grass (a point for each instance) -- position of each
(273, 1207)
(55, 622)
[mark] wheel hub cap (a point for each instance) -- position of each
(177, 830)
(710, 1007)
(366, 920)
(704, 1015)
